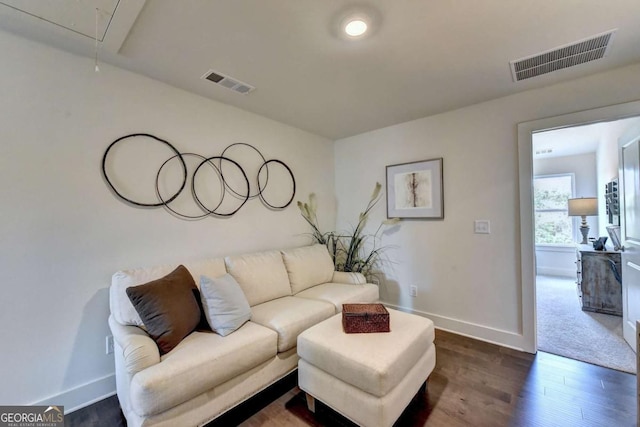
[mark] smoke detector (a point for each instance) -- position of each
(590, 49)
(228, 82)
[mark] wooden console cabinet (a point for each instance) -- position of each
(599, 280)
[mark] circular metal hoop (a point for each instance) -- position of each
(293, 180)
(133, 202)
(224, 184)
(251, 196)
(214, 211)
(166, 203)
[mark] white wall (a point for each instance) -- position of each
(469, 283)
(556, 260)
(561, 261)
(63, 233)
(607, 163)
(607, 166)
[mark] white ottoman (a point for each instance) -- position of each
(368, 378)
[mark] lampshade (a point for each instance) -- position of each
(584, 206)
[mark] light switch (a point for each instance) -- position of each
(482, 226)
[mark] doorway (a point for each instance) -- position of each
(525, 161)
(576, 162)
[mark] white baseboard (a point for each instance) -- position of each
(83, 395)
(550, 271)
(472, 330)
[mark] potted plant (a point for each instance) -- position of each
(355, 251)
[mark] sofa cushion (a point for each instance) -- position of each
(122, 309)
(289, 316)
(224, 304)
(262, 276)
(341, 293)
(168, 307)
(202, 361)
(308, 266)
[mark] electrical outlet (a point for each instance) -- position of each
(109, 344)
(413, 291)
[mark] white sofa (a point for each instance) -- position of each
(207, 374)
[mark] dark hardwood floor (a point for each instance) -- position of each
(474, 384)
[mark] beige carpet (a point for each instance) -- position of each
(564, 329)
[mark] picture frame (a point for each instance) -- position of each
(614, 234)
(415, 190)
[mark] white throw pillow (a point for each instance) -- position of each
(224, 304)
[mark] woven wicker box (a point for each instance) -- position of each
(365, 318)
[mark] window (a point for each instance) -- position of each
(552, 222)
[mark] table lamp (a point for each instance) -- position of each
(583, 207)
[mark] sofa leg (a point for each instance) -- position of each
(311, 403)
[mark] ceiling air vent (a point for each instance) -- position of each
(566, 56)
(228, 82)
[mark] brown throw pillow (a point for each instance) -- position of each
(167, 307)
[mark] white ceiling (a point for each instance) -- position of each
(579, 139)
(79, 17)
(425, 57)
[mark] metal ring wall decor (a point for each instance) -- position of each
(166, 204)
(161, 203)
(214, 210)
(216, 162)
(261, 192)
(251, 196)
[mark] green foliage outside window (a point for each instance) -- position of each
(552, 223)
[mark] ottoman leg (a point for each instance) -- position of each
(311, 403)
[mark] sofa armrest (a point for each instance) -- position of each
(348, 278)
(139, 351)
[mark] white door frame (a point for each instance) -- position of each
(525, 162)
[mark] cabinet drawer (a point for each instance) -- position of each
(597, 278)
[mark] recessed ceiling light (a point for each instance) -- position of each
(355, 22)
(355, 27)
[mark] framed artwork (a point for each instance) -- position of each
(415, 190)
(614, 234)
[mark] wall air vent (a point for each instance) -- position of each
(228, 82)
(587, 50)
